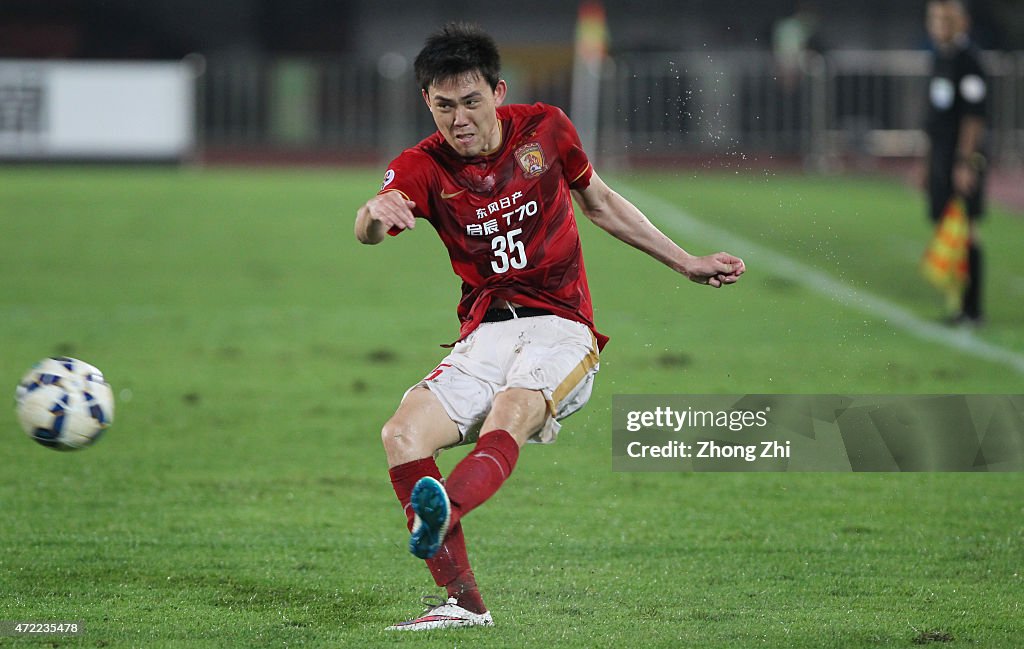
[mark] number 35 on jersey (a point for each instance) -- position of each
(509, 251)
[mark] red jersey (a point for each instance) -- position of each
(506, 218)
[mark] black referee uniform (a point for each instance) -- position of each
(958, 88)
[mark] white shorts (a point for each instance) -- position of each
(553, 355)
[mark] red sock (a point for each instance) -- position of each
(405, 476)
(450, 566)
(479, 475)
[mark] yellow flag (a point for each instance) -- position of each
(591, 33)
(945, 260)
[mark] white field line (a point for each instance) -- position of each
(760, 257)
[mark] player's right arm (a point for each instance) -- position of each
(386, 211)
(396, 206)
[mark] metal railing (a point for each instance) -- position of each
(654, 105)
(868, 103)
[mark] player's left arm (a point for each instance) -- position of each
(624, 221)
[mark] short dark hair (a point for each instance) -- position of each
(957, 4)
(457, 49)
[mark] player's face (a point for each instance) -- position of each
(465, 111)
(945, 21)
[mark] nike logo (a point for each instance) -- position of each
(445, 195)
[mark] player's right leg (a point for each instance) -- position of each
(411, 437)
(418, 429)
(414, 433)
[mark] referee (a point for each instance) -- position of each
(955, 126)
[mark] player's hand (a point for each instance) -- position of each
(715, 270)
(392, 211)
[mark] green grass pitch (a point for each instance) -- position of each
(241, 498)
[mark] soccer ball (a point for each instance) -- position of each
(64, 403)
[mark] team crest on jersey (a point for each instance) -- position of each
(531, 159)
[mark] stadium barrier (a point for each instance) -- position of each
(78, 110)
(653, 106)
(842, 104)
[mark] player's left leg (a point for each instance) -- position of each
(520, 412)
(474, 479)
(516, 416)
(549, 379)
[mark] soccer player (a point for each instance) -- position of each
(497, 182)
(955, 126)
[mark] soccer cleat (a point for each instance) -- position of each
(433, 515)
(441, 614)
(962, 319)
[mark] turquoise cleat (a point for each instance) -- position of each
(433, 515)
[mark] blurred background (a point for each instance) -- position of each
(822, 85)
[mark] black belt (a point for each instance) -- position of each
(501, 315)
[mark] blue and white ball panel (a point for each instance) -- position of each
(64, 403)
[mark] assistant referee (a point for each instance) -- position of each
(955, 125)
